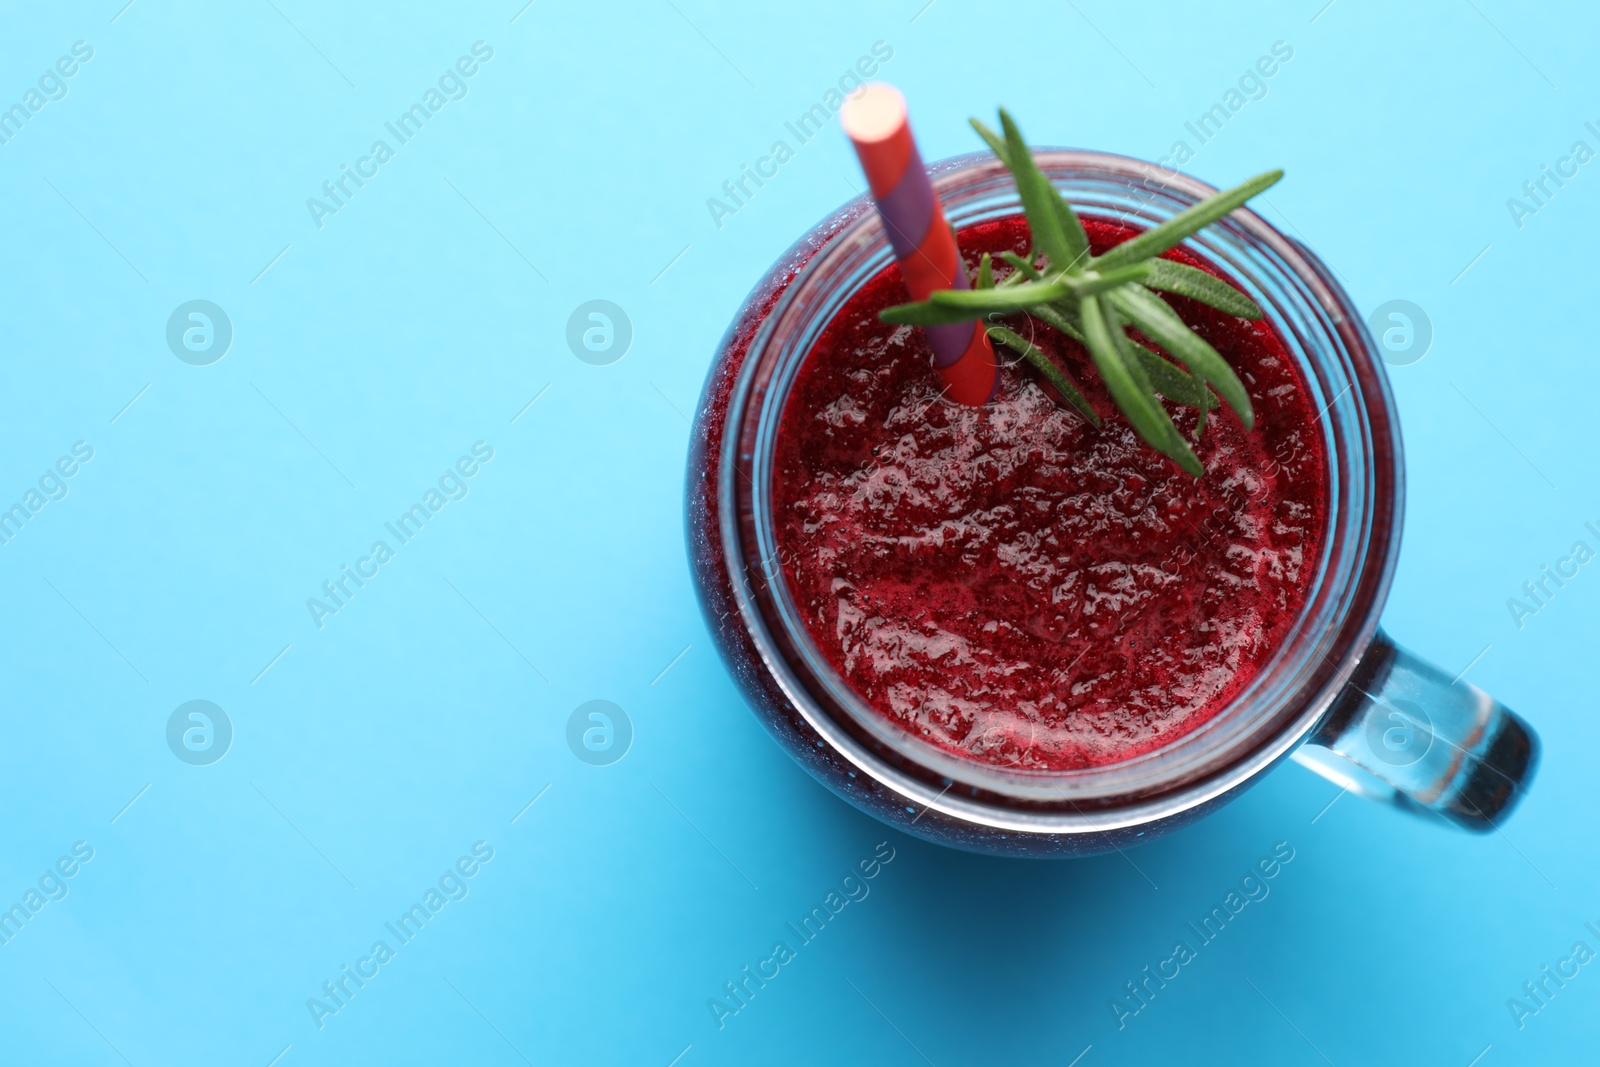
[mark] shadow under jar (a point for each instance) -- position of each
(1328, 687)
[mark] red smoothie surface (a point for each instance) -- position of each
(1016, 586)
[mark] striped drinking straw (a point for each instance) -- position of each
(876, 123)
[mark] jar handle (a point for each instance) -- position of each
(1404, 732)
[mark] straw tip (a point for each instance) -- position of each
(876, 113)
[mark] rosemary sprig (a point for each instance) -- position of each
(1094, 299)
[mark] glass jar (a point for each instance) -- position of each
(1336, 694)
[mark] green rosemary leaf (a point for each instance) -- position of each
(1196, 378)
(1196, 284)
(985, 272)
(1171, 444)
(1134, 397)
(1176, 448)
(1063, 317)
(1173, 382)
(994, 141)
(1208, 289)
(1163, 326)
(1186, 222)
(926, 313)
(1093, 282)
(1039, 199)
(1015, 298)
(1047, 367)
(1073, 228)
(1023, 266)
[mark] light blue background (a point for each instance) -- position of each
(422, 718)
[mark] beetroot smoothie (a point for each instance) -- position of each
(1016, 586)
